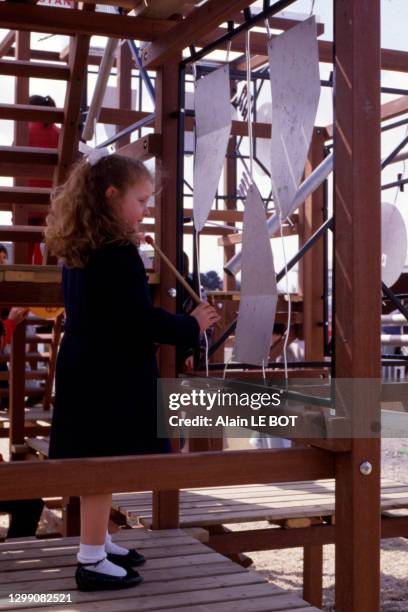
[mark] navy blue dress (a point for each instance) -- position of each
(106, 371)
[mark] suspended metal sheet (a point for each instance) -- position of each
(393, 243)
(213, 127)
(259, 293)
(295, 84)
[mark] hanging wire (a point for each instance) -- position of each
(268, 29)
(249, 103)
(312, 8)
(201, 298)
(228, 51)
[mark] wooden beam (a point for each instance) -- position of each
(28, 155)
(27, 171)
(144, 148)
(29, 112)
(7, 43)
(357, 297)
(124, 86)
(311, 217)
(231, 239)
(204, 19)
(21, 233)
(20, 129)
(33, 70)
(146, 472)
(76, 22)
(69, 137)
(24, 195)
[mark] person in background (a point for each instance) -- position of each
(3, 255)
(40, 135)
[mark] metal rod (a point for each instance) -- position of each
(131, 128)
(393, 153)
(146, 78)
(313, 181)
(393, 298)
(322, 229)
(247, 25)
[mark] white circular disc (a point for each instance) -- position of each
(394, 243)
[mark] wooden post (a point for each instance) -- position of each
(311, 217)
(124, 86)
(21, 95)
(17, 390)
(357, 239)
(166, 503)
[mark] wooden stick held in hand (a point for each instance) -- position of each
(179, 277)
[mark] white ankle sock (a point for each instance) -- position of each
(100, 564)
(111, 547)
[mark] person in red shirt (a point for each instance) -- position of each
(24, 513)
(40, 135)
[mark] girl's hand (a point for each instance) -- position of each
(189, 363)
(206, 315)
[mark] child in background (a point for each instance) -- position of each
(107, 406)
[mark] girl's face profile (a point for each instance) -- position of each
(134, 202)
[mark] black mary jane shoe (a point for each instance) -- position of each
(87, 580)
(132, 559)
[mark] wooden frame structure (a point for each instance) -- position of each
(357, 61)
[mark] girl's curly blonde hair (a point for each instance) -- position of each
(81, 219)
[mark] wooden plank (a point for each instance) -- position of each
(69, 137)
(202, 20)
(29, 112)
(34, 70)
(28, 155)
(156, 9)
(99, 475)
(232, 239)
(76, 22)
(25, 171)
(24, 195)
(144, 148)
(21, 233)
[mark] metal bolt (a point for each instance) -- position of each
(172, 292)
(366, 468)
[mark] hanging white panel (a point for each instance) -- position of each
(259, 293)
(295, 83)
(212, 128)
(393, 243)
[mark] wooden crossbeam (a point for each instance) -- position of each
(7, 43)
(144, 148)
(204, 19)
(21, 233)
(158, 472)
(29, 112)
(75, 22)
(28, 155)
(33, 70)
(27, 170)
(69, 137)
(24, 195)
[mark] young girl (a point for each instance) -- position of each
(106, 374)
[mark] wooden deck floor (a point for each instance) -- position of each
(180, 574)
(238, 504)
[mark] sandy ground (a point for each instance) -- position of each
(284, 567)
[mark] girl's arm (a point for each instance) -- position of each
(123, 275)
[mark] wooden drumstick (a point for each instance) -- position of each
(179, 277)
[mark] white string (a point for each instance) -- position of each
(249, 106)
(201, 299)
(228, 51)
(268, 29)
(312, 8)
(226, 365)
(228, 227)
(263, 369)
